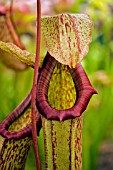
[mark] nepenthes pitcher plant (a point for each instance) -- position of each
(62, 93)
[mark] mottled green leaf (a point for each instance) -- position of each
(12, 51)
(67, 37)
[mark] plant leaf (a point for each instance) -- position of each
(12, 51)
(67, 37)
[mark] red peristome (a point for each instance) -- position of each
(19, 110)
(82, 85)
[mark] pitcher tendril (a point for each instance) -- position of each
(33, 100)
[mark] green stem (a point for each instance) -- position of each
(33, 100)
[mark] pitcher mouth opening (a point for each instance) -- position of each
(82, 85)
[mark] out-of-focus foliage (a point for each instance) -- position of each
(98, 65)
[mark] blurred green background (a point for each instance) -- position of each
(98, 118)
